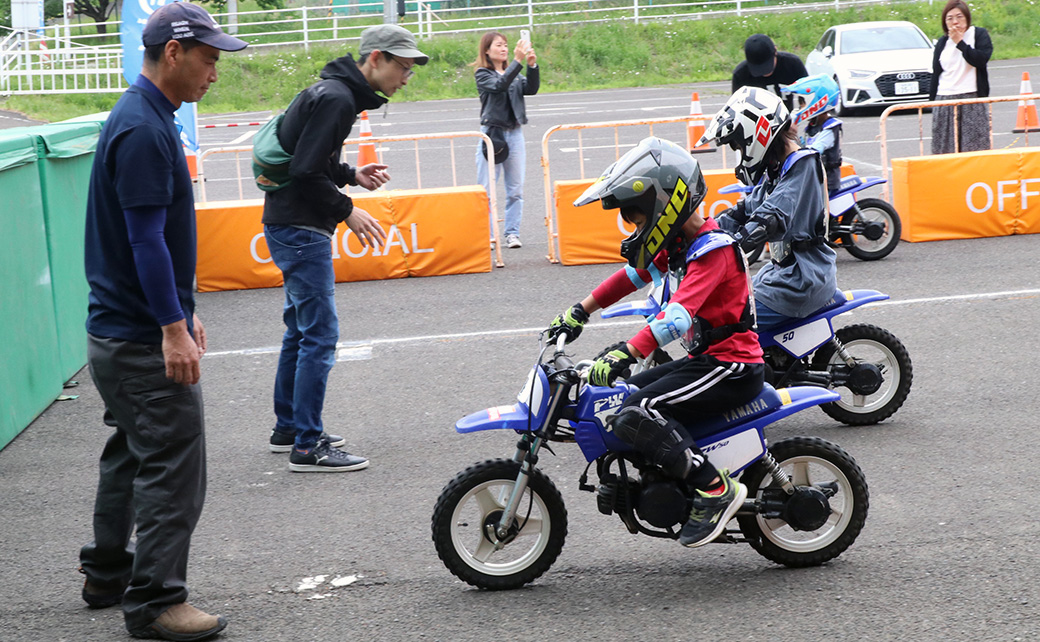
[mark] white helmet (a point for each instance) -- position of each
(750, 122)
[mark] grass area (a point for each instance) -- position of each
(574, 57)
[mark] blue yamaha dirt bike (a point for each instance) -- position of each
(867, 365)
(502, 523)
(869, 228)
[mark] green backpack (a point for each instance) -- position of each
(270, 161)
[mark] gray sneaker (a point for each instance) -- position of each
(323, 458)
(282, 442)
(513, 241)
(711, 513)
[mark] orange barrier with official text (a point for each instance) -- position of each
(588, 234)
(429, 232)
(968, 195)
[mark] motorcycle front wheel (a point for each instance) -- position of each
(473, 501)
(866, 211)
(873, 345)
(816, 467)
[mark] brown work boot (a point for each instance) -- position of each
(183, 623)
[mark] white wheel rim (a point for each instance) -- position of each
(467, 523)
(807, 471)
(870, 351)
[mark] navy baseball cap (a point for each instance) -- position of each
(760, 53)
(186, 21)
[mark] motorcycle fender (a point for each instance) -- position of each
(804, 339)
(854, 299)
(519, 416)
(735, 450)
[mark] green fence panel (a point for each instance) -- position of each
(66, 153)
(30, 375)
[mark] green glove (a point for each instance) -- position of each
(609, 367)
(569, 323)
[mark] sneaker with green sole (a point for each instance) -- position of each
(711, 513)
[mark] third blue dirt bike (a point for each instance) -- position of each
(869, 228)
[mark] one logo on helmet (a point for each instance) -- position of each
(812, 109)
(671, 213)
(637, 186)
(762, 131)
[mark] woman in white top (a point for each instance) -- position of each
(959, 71)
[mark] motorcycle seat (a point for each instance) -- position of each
(849, 182)
(839, 298)
(767, 401)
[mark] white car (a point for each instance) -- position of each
(874, 63)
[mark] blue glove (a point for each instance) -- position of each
(609, 367)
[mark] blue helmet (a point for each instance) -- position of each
(818, 93)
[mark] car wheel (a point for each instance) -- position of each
(841, 109)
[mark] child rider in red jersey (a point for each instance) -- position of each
(658, 186)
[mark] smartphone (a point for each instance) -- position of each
(525, 35)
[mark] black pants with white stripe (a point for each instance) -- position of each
(688, 389)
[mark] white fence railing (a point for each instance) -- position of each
(70, 58)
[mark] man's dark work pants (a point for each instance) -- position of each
(153, 476)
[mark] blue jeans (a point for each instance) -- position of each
(311, 330)
(513, 168)
(769, 318)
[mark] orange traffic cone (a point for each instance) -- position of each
(1027, 120)
(366, 151)
(695, 127)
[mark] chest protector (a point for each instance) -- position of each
(701, 334)
(832, 155)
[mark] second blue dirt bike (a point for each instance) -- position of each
(868, 366)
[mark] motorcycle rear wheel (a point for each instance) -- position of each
(868, 344)
(809, 461)
(477, 497)
(871, 210)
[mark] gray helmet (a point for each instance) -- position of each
(663, 182)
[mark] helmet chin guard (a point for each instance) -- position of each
(750, 122)
(661, 181)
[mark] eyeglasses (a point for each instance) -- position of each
(408, 71)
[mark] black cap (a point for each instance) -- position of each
(760, 53)
(186, 21)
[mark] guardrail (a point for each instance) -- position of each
(375, 140)
(920, 107)
(546, 172)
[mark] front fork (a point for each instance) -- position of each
(527, 456)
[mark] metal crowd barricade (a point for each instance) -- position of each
(920, 107)
(375, 140)
(650, 122)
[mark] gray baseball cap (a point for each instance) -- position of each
(393, 40)
(186, 21)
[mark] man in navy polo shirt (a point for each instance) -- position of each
(144, 340)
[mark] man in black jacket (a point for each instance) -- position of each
(767, 68)
(299, 221)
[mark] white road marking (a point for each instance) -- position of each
(360, 347)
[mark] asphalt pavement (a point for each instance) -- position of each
(949, 550)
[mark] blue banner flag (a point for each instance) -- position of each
(135, 15)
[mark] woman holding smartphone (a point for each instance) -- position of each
(502, 89)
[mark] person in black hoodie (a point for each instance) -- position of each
(959, 71)
(299, 221)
